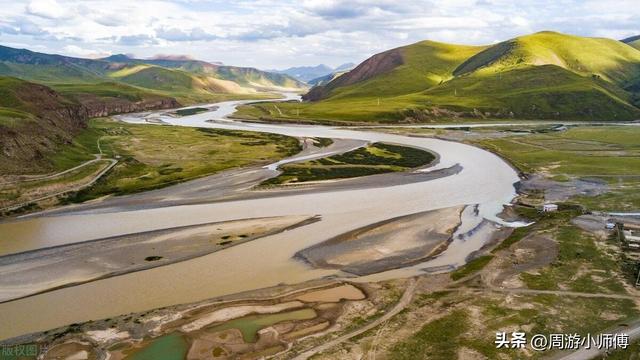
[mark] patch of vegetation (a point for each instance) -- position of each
(322, 142)
(12, 118)
(609, 154)
(105, 90)
(377, 158)
(580, 151)
(581, 266)
(191, 111)
(517, 235)
(546, 314)
(152, 157)
(24, 191)
(471, 267)
(438, 339)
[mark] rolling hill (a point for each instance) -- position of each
(633, 41)
(184, 79)
(398, 71)
(546, 75)
(34, 119)
(230, 79)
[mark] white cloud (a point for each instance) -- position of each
(270, 33)
(46, 8)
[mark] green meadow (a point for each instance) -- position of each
(377, 158)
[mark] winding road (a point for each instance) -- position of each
(92, 180)
(404, 301)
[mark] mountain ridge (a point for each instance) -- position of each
(545, 75)
(633, 41)
(52, 68)
(309, 73)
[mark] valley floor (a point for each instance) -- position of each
(563, 273)
(115, 158)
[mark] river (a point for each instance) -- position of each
(485, 180)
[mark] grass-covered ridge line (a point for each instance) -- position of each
(546, 75)
(105, 91)
(187, 81)
(378, 158)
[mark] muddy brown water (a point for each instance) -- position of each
(485, 180)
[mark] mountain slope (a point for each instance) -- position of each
(249, 78)
(545, 75)
(188, 80)
(633, 41)
(108, 98)
(34, 119)
(323, 80)
(398, 71)
(40, 67)
(344, 67)
(607, 58)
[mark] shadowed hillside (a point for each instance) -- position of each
(633, 41)
(34, 119)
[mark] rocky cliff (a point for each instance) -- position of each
(98, 107)
(35, 120)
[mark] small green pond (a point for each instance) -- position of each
(175, 347)
(168, 347)
(250, 325)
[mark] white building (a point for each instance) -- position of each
(549, 207)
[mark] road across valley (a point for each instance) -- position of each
(466, 175)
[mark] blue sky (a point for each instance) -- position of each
(277, 34)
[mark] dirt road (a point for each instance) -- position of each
(404, 301)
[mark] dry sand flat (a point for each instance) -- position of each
(388, 244)
(37, 271)
(334, 294)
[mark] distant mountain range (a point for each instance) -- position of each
(186, 79)
(46, 99)
(546, 75)
(325, 79)
(310, 73)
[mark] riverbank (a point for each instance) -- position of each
(251, 325)
(449, 183)
(38, 271)
(148, 157)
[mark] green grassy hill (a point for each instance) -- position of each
(188, 81)
(34, 119)
(545, 75)
(399, 71)
(231, 79)
(154, 77)
(606, 58)
(633, 41)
